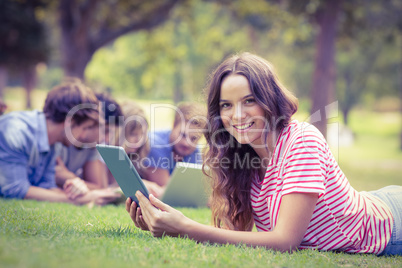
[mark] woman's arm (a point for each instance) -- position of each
(294, 217)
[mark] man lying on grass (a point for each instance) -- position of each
(276, 173)
(28, 145)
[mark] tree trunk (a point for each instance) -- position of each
(3, 84)
(75, 60)
(29, 82)
(3, 80)
(80, 37)
(400, 86)
(253, 37)
(348, 99)
(324, 73)
(75, 43)
(345, 114)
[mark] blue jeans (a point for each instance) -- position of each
(392, 196)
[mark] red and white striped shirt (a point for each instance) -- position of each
(343, 219)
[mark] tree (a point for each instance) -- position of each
(88, 25)
(22, 42)
(356, 60)
(324, 72)
(171, 61)
(371, 53)
(323, 15)
(400, 88)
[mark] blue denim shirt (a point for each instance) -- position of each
(26, 159)
(161, 153)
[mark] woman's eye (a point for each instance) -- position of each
(225, 105)
(250, 101)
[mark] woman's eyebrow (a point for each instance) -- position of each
(248, 96)
(245, 97)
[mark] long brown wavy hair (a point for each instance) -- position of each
(227, 162)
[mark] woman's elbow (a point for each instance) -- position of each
(288, 243)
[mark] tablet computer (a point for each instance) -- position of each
(122, 170)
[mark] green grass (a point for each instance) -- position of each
(40, 234)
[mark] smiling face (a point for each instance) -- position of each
(241, 115)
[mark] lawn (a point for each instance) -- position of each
(40, 234)
(34, 234)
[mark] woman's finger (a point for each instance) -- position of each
(159, 204)
(133, 210)
(140, 220)
(128, 204)
(143, 225)
(146, 207)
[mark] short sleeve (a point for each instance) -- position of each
(304, 165)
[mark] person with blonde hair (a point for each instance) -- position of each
(276, 174)
(133, 138)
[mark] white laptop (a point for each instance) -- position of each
(188, 187)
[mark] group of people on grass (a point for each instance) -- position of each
(50, 155)
(267, 170)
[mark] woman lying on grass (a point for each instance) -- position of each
(276, 173)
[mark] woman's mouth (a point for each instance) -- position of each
(243, 126)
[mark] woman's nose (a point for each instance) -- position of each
(238, 113)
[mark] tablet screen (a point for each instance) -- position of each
(122, 170)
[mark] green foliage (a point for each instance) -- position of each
(174, 60)
(368, 52)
